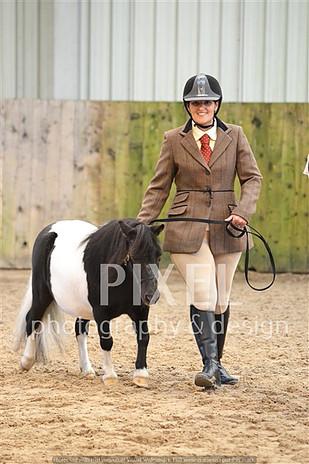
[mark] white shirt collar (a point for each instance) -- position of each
(198, 133)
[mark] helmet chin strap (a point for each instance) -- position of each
(204, 127)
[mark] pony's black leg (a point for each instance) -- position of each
(81, 332)
(140, 322)
(102, 318)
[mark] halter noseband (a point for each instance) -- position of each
(129, 258)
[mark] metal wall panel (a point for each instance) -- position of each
(66, 50)
(231, 45)
(253, 38)
(143, 51)
(146, 49)
(165, 56)
(100, 50)
(187, 40)
(121, 51)
(275, 50)
(20, 51)
(30, 49)
(46, 47)
(297, 51)
(8, 16)
(209, 44)
(84, 58)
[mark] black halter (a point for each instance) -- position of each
(241, 232)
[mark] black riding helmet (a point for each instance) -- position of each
(202, 87)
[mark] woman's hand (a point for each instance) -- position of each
(237, 221)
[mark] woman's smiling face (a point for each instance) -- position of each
(203, 111)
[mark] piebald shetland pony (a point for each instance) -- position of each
(67, 262)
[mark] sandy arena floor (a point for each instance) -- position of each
(51, 411)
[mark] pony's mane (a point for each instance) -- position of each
(109, 244)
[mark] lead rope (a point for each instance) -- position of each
(242, 232)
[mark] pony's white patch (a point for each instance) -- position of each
(108, 368)
(68, 277)
(141, 373)
(84, 362)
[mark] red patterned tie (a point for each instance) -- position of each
(205, 148)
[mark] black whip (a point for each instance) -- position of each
(242, 232)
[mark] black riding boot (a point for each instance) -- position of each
(221, 329)
(203, 325)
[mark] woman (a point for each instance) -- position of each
(202, 158)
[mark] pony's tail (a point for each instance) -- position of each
(19, 336)
(49, 333)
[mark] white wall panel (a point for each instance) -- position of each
(275, 51)
(31, 43)
(143, 50)
(187, 51)
(165, 46)
(8, 49)
(20, 51)
(100, 49)
(253, 52)
(120, 51)
(231, 34)
(66, 49)
(146, 49)
(46, 47)
(84, 45)
(297, 51)
(210, 38)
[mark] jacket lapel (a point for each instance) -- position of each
(191, 147)
(222, 142)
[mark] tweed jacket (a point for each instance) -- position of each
(199, 188)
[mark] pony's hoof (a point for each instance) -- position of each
(88, 374)
(141, 382)
(140, 377)
(26, 363)
(110, 381)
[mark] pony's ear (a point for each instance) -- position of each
(157, 229)
(128, 231)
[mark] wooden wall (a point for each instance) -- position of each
(93, 160)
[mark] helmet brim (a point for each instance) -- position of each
(207, 97)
